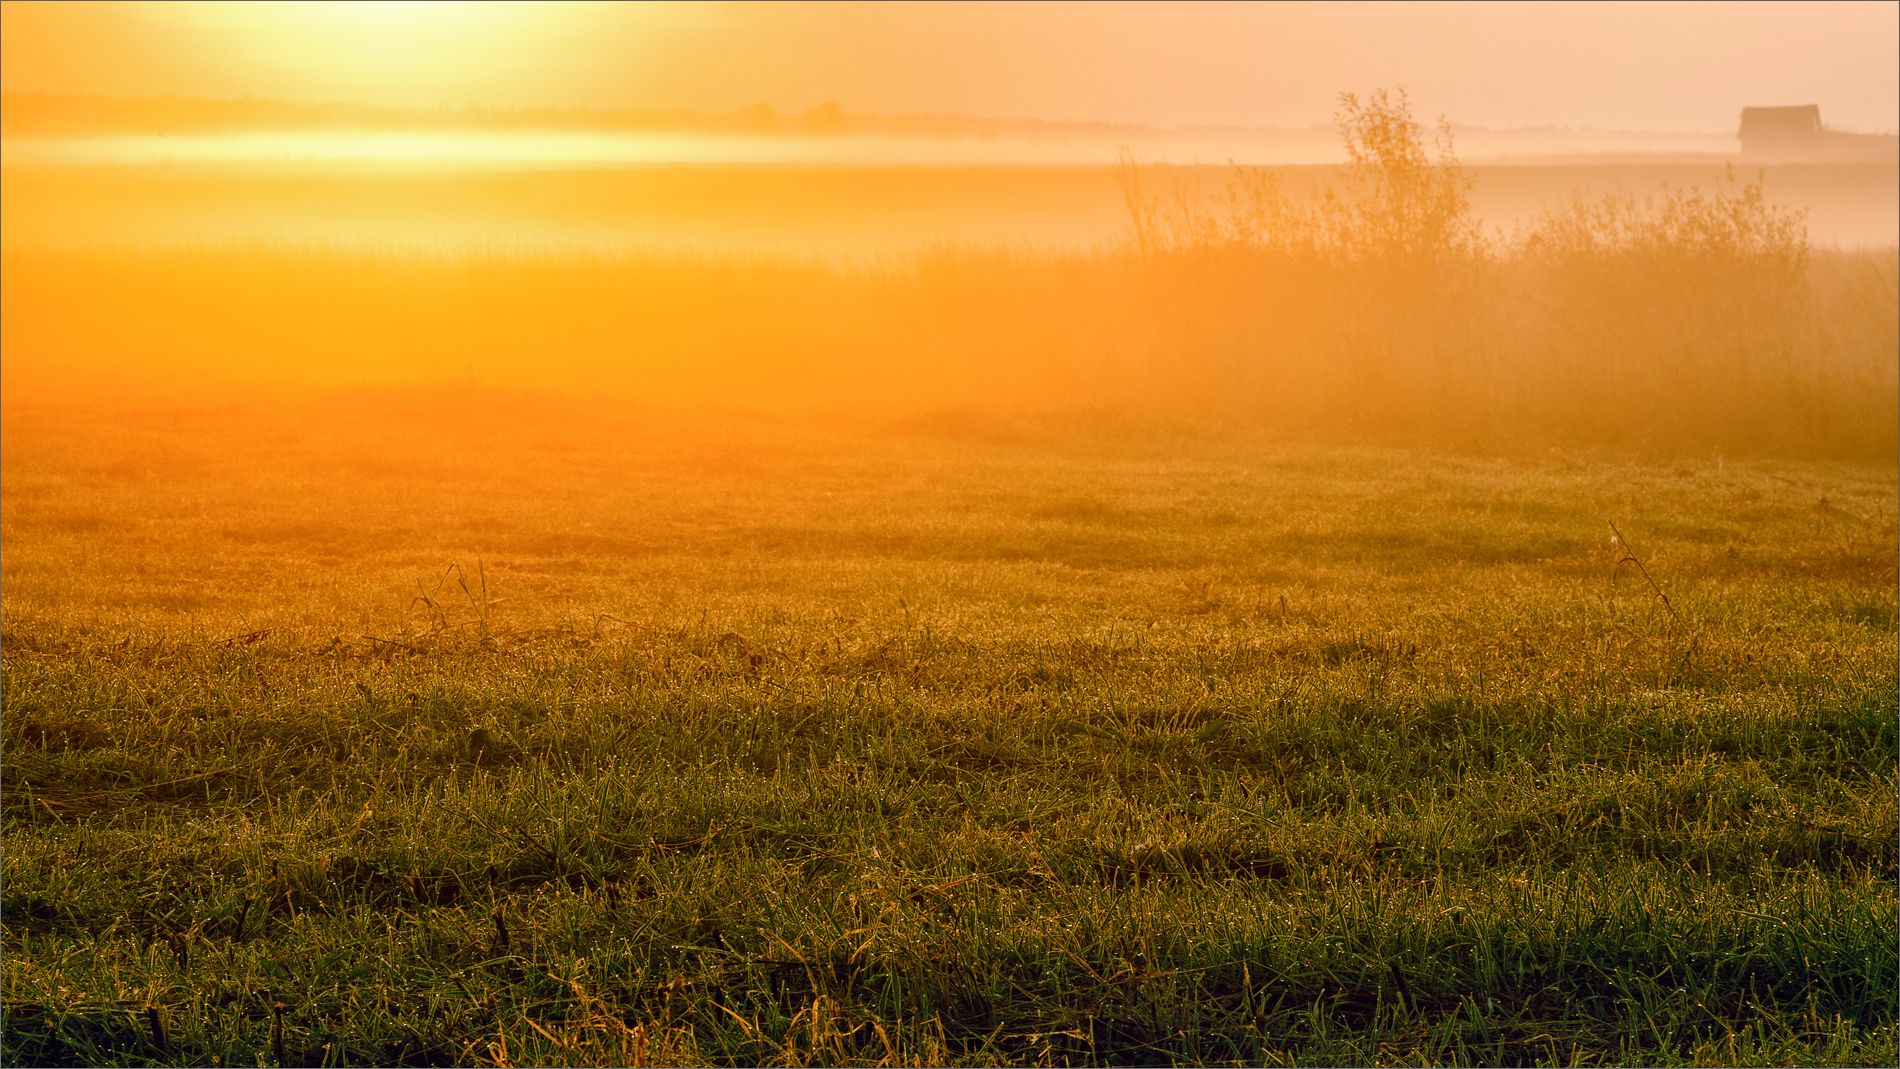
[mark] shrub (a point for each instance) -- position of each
(1687, 316)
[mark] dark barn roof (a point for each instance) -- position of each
(1795, 134)
(1781, 122)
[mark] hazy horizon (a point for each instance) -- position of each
(1496, 66)
(329, 112)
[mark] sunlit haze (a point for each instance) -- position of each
(1663, 66)
(1007, 534)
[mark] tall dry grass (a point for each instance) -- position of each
(1691, 317)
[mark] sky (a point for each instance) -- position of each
(1647, 66)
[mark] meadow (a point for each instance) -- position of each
(1310, 629)
(949, 739)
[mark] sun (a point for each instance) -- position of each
(388, 51)
(400, 25)
(385, 11)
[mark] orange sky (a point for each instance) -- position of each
(1635, 66)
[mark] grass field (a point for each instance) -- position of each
(959, 738)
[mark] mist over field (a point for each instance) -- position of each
(935, 534)
(1700, 313)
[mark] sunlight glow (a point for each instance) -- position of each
(405, 51)
(1006, 533)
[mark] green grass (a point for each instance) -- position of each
(969, 739)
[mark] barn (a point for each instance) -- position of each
(1784, 131)
(1795, 133)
